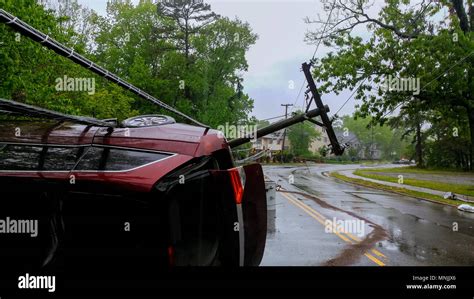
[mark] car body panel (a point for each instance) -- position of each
(182, 142)
(178, 147)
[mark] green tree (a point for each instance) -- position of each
(447, 141)
(26, 69)
(198, 75)
(323, 151)
(186, 19)
(301, 135)
(412, 123)
(195, 67)
(407, 41)
(373, 135)
(221, 60)
(29, 72)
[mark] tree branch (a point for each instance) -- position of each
(461, 13)
(358, 13)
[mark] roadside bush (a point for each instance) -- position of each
(311, 157)
(287, 157)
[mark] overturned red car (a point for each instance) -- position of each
(164, 194)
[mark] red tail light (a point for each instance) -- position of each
(237, 177)
(171, 255)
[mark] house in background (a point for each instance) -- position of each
(272, 142)
(320, 141)
(364, 151)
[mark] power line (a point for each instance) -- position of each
(299, 93)
(70, 54)
(353, 93)
(317, 47)
(272, 118)
(393, 109)
(324, 29)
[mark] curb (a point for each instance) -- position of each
(391, 191)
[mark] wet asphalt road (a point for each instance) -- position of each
(377, 228)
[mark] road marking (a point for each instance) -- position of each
(309, 212)
(314, 214)
(378, 253)
(359, 240)
(353, 237)
(321, 219)
(374, 259)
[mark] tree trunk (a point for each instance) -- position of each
(187, 92)
(470, 116)
(186, 42)
(419, 146)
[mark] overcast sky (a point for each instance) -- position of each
(276, 58)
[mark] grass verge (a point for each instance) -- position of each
(398, 190)
(440, 186)
(414, 169)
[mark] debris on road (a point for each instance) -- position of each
(450, 195)
(466, 208)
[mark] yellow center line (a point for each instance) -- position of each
(353, 237)
(295, 202)
(378, 253)
(374, 259)
(359, 240)
(321, 219)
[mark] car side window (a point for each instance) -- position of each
(54, 158)
(19, 157)
(34, 157)
(60, 158)
(112, 159)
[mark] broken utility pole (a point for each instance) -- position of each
(284, 130)
(308, 115)
(326, 122)
(277, 126)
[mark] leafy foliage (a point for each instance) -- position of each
(189, 58)
(406, 41)
(390, 141)
(301, 135)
